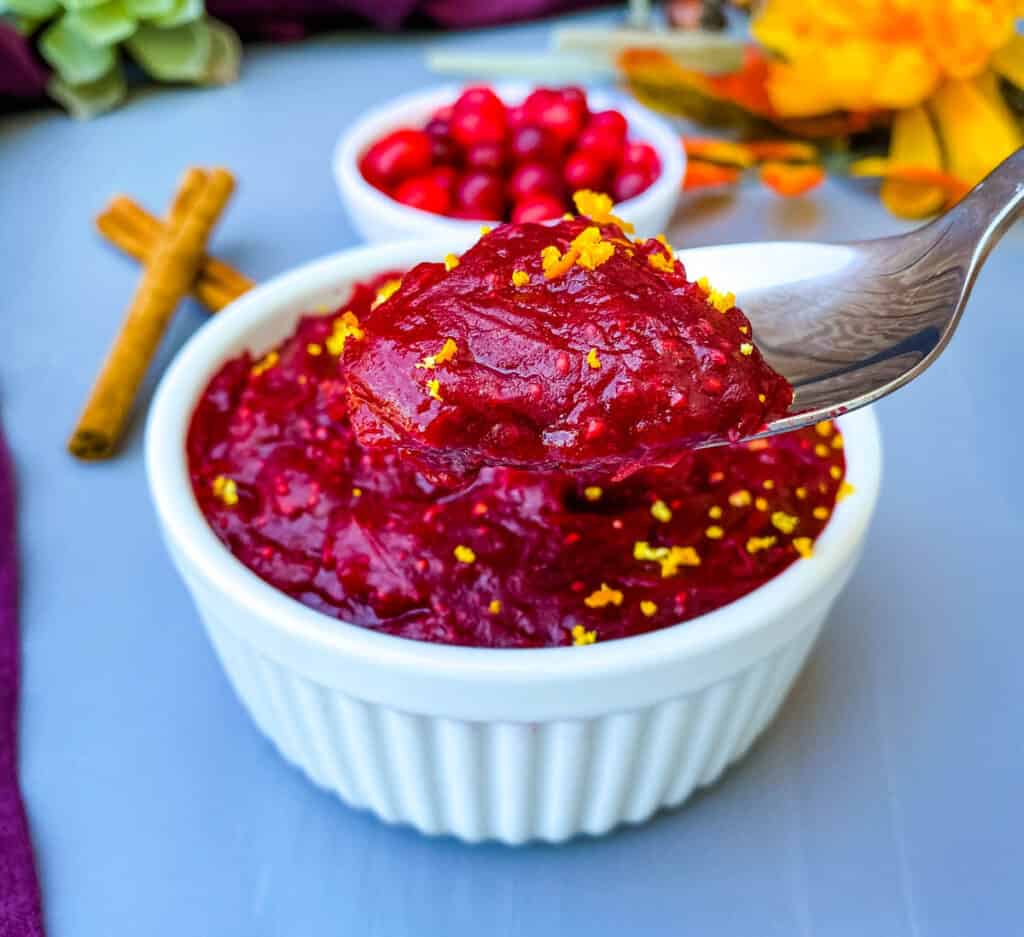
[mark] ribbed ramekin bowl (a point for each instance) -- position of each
(509, 745)
(378, 217)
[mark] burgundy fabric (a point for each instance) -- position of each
(20, 911)
(22, 75)
(464, 14)
(294, 18)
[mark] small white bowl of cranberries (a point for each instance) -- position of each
(448, 160)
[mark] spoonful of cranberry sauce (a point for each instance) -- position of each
(568, 347)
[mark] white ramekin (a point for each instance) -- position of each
(380, 218)
(511, 745)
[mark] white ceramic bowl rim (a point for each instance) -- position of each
(410, 109)
(367, 656)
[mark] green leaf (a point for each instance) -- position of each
(80, 4)
(26, 25)
(178, 54)
(31, 9)
(225, 54)
(149, 9)
(183, 11)
(76, 61)
(87, 100)
(103, 25)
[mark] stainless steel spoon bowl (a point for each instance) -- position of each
(848, 323)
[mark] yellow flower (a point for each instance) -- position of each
(931, 71)
(933, 62)
(860, 55)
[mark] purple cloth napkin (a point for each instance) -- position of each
(20, 910)
(22, 75)
(284, 20)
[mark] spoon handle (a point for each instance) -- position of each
(986, 213)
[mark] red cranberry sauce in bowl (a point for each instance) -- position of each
(500, 557)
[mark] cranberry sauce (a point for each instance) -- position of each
(507, 559)
(563, 347)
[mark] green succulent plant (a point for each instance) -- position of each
(84, 41)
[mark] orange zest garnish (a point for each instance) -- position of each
(346, 326)
(606, 595)
(555, 263)
(598, 207)
(581, 636)
(448, 351)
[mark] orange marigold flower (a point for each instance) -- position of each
(789, 179)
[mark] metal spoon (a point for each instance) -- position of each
(848, 323)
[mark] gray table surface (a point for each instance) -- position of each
(885, 800)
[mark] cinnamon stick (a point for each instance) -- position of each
(168, 278)
(150, 228)
(128, 225)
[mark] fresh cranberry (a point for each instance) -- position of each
(629, 183)
(560, 115)
(610, 122)
(489, 156)
(425, 193)
(537, 207)
(641, 156)
(466, 214)
(443, 151)
(576, 98)
(516, 117)
(532, 178)
(601, 144)
(445, 177)
(534, 144)
(478, 117)
(584, 171)
(537, 101)
(397, 156)
(481, 192)
(438, 127)
(443, 113)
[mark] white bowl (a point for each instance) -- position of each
(511, 745)
(380, 218)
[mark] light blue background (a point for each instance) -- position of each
(886, 799)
